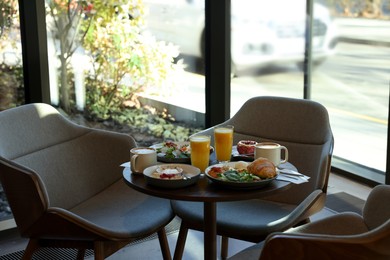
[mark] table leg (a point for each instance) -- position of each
(210, 231)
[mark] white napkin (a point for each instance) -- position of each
(292, 176)
(293, 179)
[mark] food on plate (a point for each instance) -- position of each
(263, 168)
(246, 147)
(168, 172)
(241, 166)
(238, 172)
(173, 150)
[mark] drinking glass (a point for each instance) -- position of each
(200, 151)
(223, 141)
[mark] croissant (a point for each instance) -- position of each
(263, 168)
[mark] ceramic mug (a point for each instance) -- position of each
(271, 151)
(141, 158)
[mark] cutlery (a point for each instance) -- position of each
(186, 176)
(291, 177)
(293, 173)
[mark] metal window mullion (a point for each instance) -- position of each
(34, 50)
(217, 61)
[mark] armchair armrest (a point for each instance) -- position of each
(370, 245)
(312, 202)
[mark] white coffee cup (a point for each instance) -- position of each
(271, 151)
(141, 158)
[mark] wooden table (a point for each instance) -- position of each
(207, 192)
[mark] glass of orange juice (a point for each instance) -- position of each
(200, 151)
(223, 141)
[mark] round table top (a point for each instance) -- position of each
(203, 190)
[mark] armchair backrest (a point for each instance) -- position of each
(72, 162)
(376, 210)
(300, 125)
(25, 192)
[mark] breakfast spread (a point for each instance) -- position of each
(258, 170)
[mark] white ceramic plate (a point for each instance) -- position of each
(190, 172)
(237, 185)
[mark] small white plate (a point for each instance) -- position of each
(190, 172)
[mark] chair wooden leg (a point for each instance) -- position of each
(224, 247)
(181, 241)
(80, 254)
(162, 237)
(32, 245)
(98, 250)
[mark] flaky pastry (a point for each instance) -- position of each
(263, 168)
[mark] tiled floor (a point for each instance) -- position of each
(338, 183)
(9, 241)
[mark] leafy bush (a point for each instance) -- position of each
(126, 62)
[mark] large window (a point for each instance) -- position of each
(348, 71)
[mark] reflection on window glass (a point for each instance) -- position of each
(11, 67)
(103, 65)
(268, 44)
(354, 83)
(182, 24)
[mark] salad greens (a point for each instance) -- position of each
(234, 175)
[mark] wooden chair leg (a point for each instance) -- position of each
(162, 237)
(98, 250)
(33, 244)
(80, 254)
(224, 247)
(181, 241)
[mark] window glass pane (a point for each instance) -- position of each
(106, 64)
(11, 79)
(268, 42)
(181, 23)
(354, 84)
(11, 67)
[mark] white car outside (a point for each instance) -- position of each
(263, 32)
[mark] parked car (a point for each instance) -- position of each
(263, 32)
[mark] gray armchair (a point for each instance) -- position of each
(303, 127)
(345, 235)
(64, 185)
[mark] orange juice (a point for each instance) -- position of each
(200, 151)
(223, 138)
